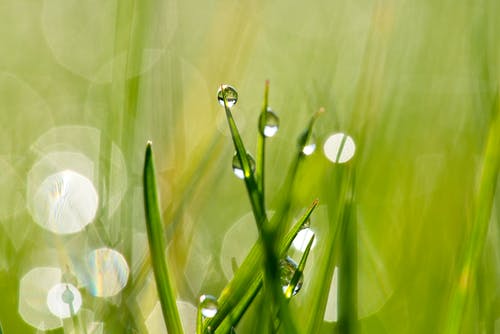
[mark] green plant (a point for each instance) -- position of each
(262, 266)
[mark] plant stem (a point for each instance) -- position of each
(154, 226)
(483, 204)
(261, 146)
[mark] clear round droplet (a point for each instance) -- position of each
(64, 300)
(309, 146)
(230, 93)
(238, 169)
(208, 306)
(268, 123)
(288, 267)
(339, 148)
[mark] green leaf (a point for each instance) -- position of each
(154, 226)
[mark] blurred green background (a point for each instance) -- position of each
(85, 83)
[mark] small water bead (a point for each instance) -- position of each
(268, 123)
(230, 93)
(309, 146)
(288, 267)
(208, 306)
(238, 169)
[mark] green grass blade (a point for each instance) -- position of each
(483, 204)
(340, 184)
(239, 310)
(261, 147)
(199, 320)
(154, 226)
(251, 185)
(237, 291)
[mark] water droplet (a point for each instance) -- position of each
(339, 148)
(64, 300)
(288, 268)
(310, 145)
(268, 123)
(229, 93)
(302, 239)
(208, 306)
(238, 169)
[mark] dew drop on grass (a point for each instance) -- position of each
(208, 306)
(268, 123)
(309, 146)
(238, 169)
(288, 267)
(229, 93)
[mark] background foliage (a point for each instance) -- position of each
(413, 82)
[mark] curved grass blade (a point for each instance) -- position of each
(240, 288)
(483, 203)
(267, 235)
(154, 226)
(251, 185)
(342, 187)
(261, 148)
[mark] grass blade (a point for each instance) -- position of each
(261, 147)
(240, 288)
(483, 204)
(251, 185)
(154, 226)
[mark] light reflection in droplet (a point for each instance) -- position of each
(229, 93)
(64, 300)
(65, 202)
(310, 145)
(339, 148)
(237, 167)
(288, 267)
(107, 272)
(268, 123)
(33, 289)
(302, 239)
(208, 306)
